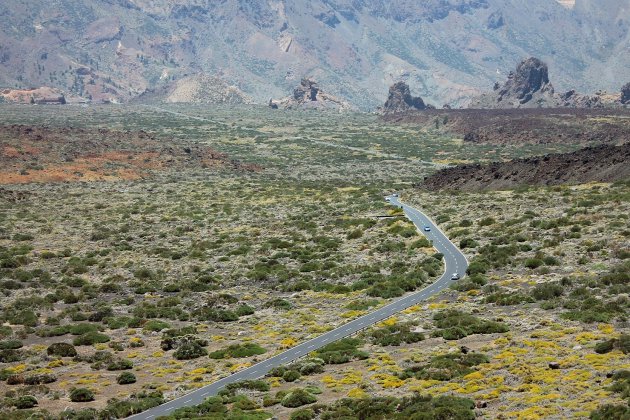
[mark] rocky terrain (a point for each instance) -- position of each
(42, 95)
(196, 89)
(529, 87)
(400, 100)
(605, 163)
(525, 126)
(308, 95)
(43, 154)
(114, 50)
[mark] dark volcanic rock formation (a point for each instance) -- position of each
(531, 77)
(529, 87)
(400, 100)
(605, 163)
(307, 91)
(625, 94)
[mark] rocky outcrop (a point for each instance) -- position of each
(625, 94)
(307, 91)
(529, 87)
(605, 163)
(531, 78)
(400, 100)
(308, 95)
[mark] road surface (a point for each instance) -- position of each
(454, 262)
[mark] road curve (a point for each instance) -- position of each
(454, 262)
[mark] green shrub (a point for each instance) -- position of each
(121, 364)
(477, 267)
(25, 402)
(189, 350)
(456, 324)
(135, 404)
(297, 398)
(39, 379)
(341, 351)
(622, 343)
(468, 243)
(244, 310)
(446, 367)
(279, 303)
(251, 385)
(395, 335)
(80, 329)
(126, 378)
(291, 375)
(546, 291)
(155, 325)
(611, 412)
(303, 414)
(10, 344)
(533, 263)
(238, 351)
(81, 395)
(90, 339)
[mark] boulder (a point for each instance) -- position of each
(625, 94)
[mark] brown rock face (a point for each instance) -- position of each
(625, 94)
(400, 100)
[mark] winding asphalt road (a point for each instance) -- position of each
(454, 262)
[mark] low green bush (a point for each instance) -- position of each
(126, 378)
(81, 395)
(622, 343)
(395, 335)
(120, 364)
(25, 402)
(298, 398)
(455, 324)
(238, 351)
(90, 339)
(189, 350)
(341, 351)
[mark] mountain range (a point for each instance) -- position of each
(448, 51)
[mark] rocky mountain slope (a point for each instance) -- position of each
(605, 163)
(448, 52)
